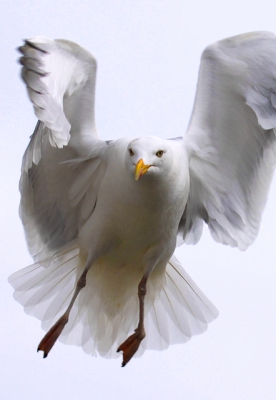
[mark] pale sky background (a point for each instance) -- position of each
(148, 54)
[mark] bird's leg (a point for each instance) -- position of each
(51, 336)
(131, 345)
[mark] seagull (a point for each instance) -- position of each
(102, 218)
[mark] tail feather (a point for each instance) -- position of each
(175, 308)
(179, 311)
(45, 292)
(187, 300)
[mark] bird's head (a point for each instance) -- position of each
(148, 155)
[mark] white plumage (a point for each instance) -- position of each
(86, 206)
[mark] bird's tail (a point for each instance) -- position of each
(175, 308)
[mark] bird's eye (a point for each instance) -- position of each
(131, 152)
(160, 153)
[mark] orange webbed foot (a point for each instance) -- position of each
(50, 338)
(131, 345)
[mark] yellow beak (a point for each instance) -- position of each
(141, 169)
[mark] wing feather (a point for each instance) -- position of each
(231, 139)
(64, 159)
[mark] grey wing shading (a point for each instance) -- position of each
(231, 140)
(64, 163)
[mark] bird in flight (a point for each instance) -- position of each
(102, 217)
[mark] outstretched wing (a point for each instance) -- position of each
(231, 139)
(63, 165)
